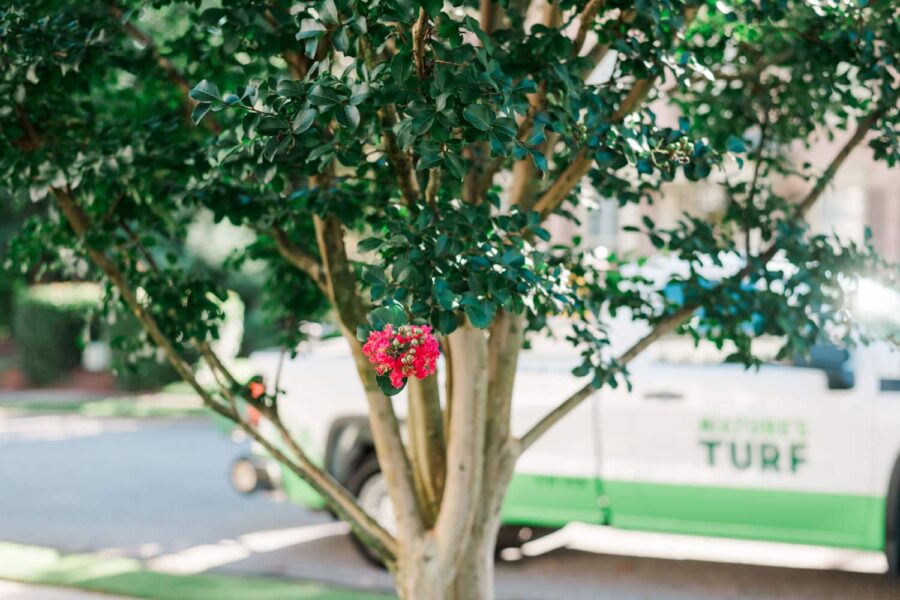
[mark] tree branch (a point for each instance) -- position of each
(428, 452)
(403, 167)
(465, 460)
(167, 66)
(419, 29)
(334, 493)
(676, 319)
(490, 15)
(588, 13)
(392, 456)
(304, 261)
(582, 161)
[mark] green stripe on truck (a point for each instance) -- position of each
(827, 519)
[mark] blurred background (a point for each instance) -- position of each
(114, 478)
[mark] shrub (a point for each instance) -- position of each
(49, 326)
(135, 365)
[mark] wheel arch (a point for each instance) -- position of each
(892, 520)
(349, 443)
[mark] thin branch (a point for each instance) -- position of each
(402, 166)
(419, 30)
(754, 183)
(564, 183)
(141, 248)
(490, 15)
(337, 496)
(298, 64)
(385, 545)
(434, 186)
(587, 20)
(298, 257)
(750, 74)
(167, 66)
(583, 159)
(676, 319)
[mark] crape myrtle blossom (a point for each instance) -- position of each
(407, 351)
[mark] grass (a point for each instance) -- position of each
(128, 577)
(164, 405)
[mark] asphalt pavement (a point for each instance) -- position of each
(158, 490)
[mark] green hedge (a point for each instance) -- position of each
(49, 326)
(132, 367)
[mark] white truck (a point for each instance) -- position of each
(805, 454)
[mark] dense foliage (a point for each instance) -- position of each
(52, 326)
(93, 107)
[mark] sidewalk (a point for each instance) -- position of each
(113, 577)
(10, 590)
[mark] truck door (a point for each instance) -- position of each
(712, 449)
(556, 478)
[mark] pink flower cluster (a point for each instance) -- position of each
(410, 350)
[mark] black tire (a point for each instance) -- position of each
(892, 524)
(509, 536)
(367, 469)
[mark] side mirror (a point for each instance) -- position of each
(834, 361)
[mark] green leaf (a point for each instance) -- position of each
(428, 161)
(311, 47)
(443, 294)
(304, 119)
(513, 258)
(735, 144)
(480, 116)
(305, 34)
(447, 322)
(441, 244)
(369, 244)
(432, 7)
(199, 112)
(480, 315)
(455, 165)
(380, 317)
(540, 162)
(384, 383)
(348, 116)
(323, 96)
(582, 370)
(384, 315)
(401, 68)
(204, 92)
(422, 123)
(359, 93)
(271, 125)
(328, 11)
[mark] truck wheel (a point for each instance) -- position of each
(370, 488)
(892, 524)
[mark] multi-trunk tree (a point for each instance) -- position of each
(402, 158)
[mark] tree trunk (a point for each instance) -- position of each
(475, 572)
(422, 575)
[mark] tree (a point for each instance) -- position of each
(366, 144)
